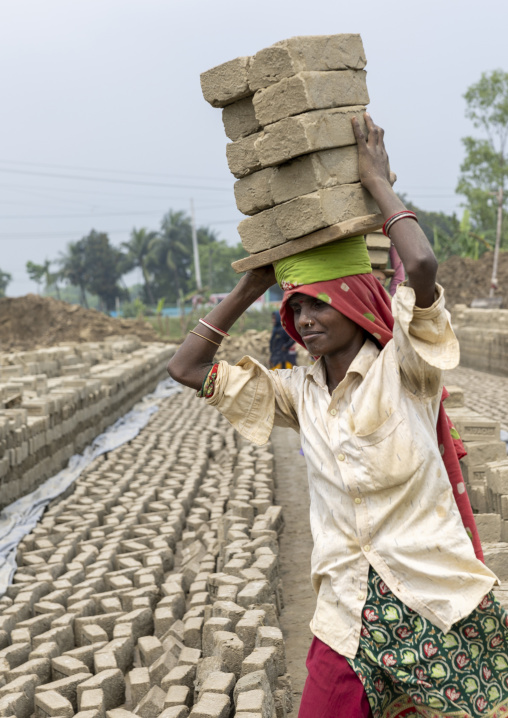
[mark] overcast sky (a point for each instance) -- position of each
(103, 124)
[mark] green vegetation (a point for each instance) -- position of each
(5, 278)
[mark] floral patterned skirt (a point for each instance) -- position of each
(411, 668)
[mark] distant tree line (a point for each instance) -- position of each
(165, 257)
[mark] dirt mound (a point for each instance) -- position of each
(33, 321)
(467, 279)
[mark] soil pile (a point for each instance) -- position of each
(33, 321)
(467, 279)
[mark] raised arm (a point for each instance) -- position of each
(194, 358)
(408, 238)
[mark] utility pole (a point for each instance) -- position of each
(197, 268)
(493, 281)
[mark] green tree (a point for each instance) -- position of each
(140, 249)
(73, 268)
(484, 171)
(42, 273)
(93, 264)
(5, 278)
(171, 258)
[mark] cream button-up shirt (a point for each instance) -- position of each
(380, 494)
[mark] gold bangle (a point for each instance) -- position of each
(208, 340)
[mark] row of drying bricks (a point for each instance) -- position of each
(45, 419)
(485, 473)
(98, 591)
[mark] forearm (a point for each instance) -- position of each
(410, 243)
(194, 358)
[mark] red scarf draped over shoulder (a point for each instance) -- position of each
(362, 299)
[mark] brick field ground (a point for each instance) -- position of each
(484, 393)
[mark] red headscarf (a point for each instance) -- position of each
(361, 298)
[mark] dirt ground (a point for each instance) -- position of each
(295, 553)
(467, 279)
(33, 321)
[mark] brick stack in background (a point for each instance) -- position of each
(378, 246)
(288, 112)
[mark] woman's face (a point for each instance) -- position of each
(323, 329)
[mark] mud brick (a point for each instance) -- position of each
(139, 682)
(378, 258)
(377, 240)
(111, 683)
(255, 702)
(473, 427)
(243, 157)
(219, 682)
(120, 713)
(304, 215)
(314, 53)
(66, 687)
(122, 650)
(92, 700)
(86, 653)
(303, 175)
(39, 666)
(211, 705)
(175, 712)
(226, 83)
(456, 398)
(210, 627)
(163, 618)
(254, 593)
(105, 621)
(174, 600)
(141, 621)
(178, 696)
(301, 135)
(481, 452)
(14, 655)
(230, 649)
(179, 676)
(270, 636)
(309, 91)
(489, 527)
(52, 705)
(239, 119)
(268, 565)
(262, 659)
(104, 661)
(496, 473)
(192, 632)
(65, 666)
(16, 704)
(247, 628)
(496, 558)
(152, 704)
(150, 649)
(162, 666)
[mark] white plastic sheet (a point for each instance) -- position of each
(20, 517)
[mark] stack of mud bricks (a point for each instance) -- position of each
(54, 402)
(485, 472)
(378, 246)
(287, 111)
(483, 336)
(153, 590)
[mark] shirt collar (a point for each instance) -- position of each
(360, 364)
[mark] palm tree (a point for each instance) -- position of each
(74, 268)
(140, 249)
(174, 248)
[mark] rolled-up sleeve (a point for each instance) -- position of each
(425, 342)
(253, 399)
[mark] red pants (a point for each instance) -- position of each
(332, 688)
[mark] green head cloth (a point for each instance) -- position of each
(329, 261)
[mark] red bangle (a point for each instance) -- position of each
(404, 214)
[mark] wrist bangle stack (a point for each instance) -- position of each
(218, 331)
(405, 214)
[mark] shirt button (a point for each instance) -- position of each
(366, 547)
(333, 412)
(361, 596)
(358, 501)
(341, 457)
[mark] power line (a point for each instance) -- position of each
(99, 169)
(114, 181)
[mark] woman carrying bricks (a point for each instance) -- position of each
(405, 622)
